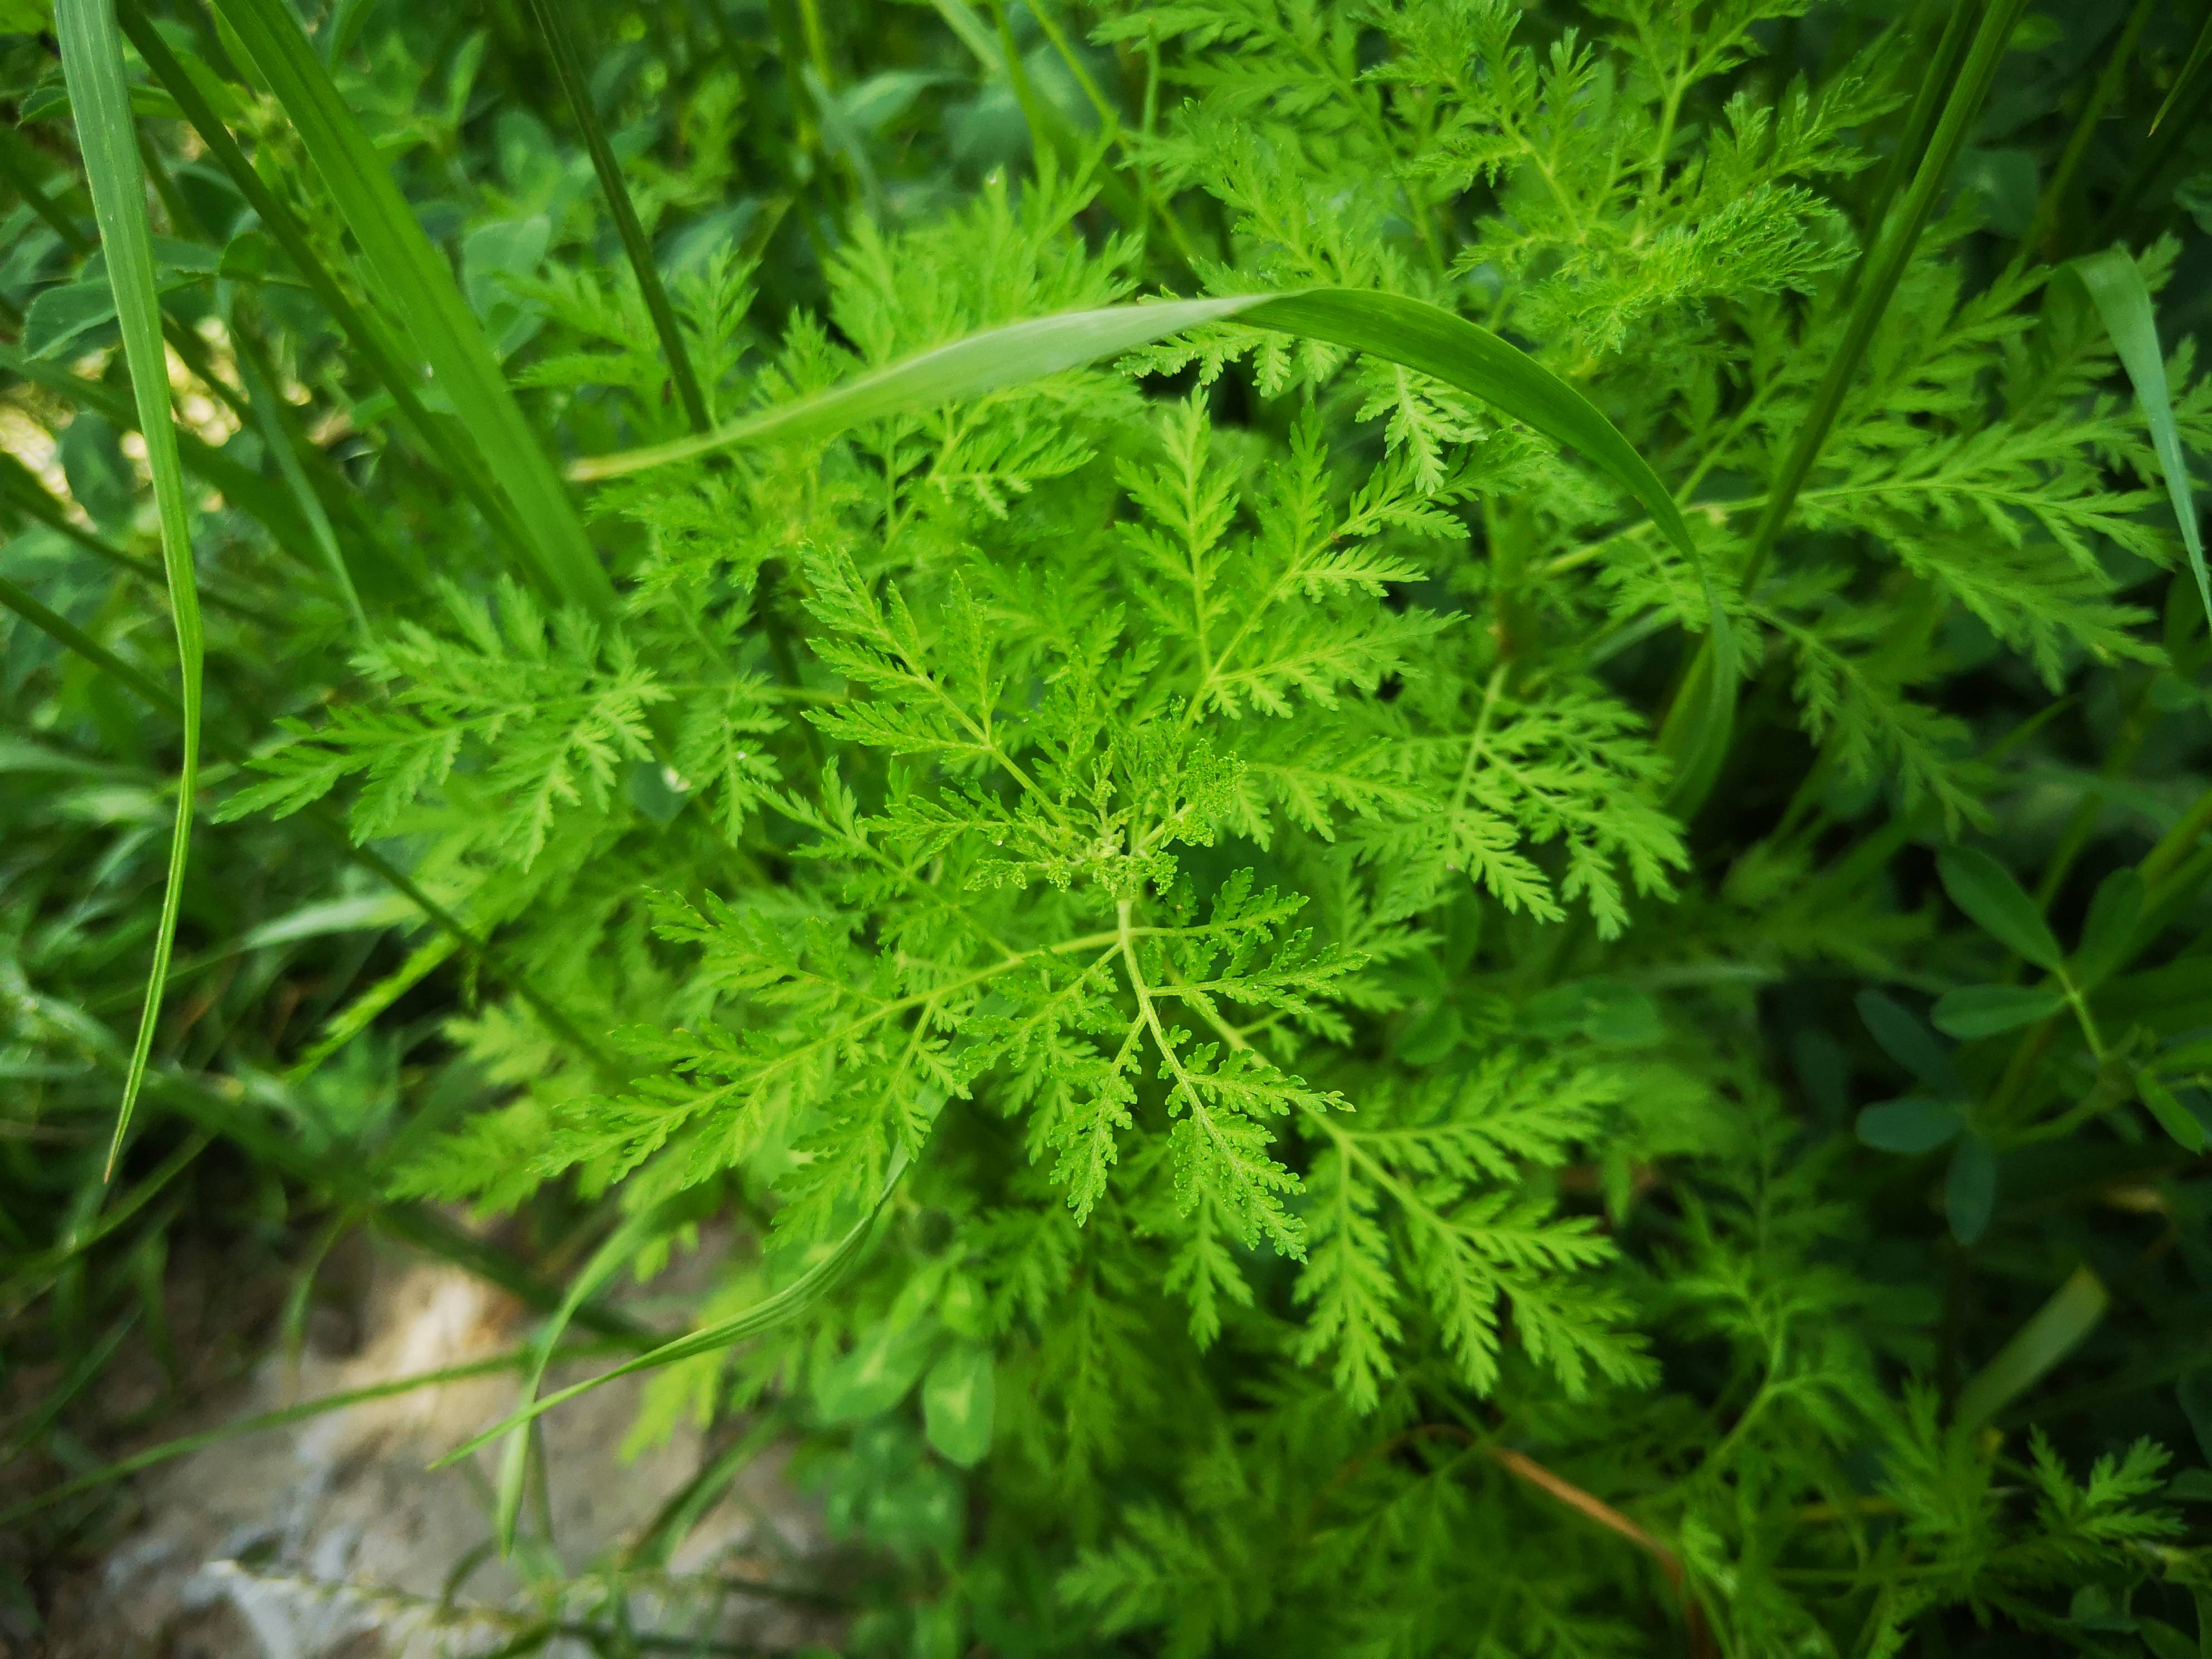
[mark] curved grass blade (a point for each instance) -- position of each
(2115, 283)
(420, 286)
(239, 485)
(70, 637)
(785, 1305)
(1422, 337)
(261, 399)
(620, 1247)
(1699, 745)
(185, 1445)
(92, 64)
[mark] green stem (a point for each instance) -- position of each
(554, 24)
(2085, 128)
(1919, 121)
(1883, 269)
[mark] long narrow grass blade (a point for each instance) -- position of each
(2049, 1336)
(2198, 54)
(2115, 282)
(423, 294)
(21, 490)
(91, 63)
(1414, 332)
(1920, 117)
(1885, 267)
(70, 637)
(364, 335)
(1694, 731)
(558, 27)
(2118, 56)
(621, 1246)
(785, 1305)
(168, 1451)
(67, 634)
(261, 399)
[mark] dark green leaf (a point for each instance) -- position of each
(2110, 927)
(1910, 1125)
(1986, 891)
(1905, 1040)
(1969, 1188)
(2194, 1393)
(2176, 1119)
(1980, 1010)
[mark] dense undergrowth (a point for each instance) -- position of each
(1344, 1025)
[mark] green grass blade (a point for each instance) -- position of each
(558, 27)
(1420, 335)
(69, 636)
(277, 438)
(2181, 82)
(363, 334)
(2115, 283)
(168, 1451)
(2049, 1336)
(1920, 118)
(422, 292)
(1884, 268)
(621, 1246)
(1696, 729)
(785, 1305)
(91, 63)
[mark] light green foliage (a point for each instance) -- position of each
(1260, 1125)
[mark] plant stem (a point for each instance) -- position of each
(1883, 268)
(554, 24)
(2047, 209)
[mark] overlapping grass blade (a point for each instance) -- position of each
(365, 336)
(185, 1445)
(1422, 337)
(91, 63)
(1695, 731)
(619, 1247)
(767, 1314)
(2115, 283)
(276, 437)
(558, 27)
(423, 294)
(2049, 1336)
(70, 637)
